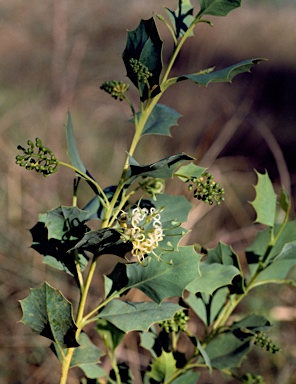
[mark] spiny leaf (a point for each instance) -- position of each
(257, 249)
(161, 120)
(278, 269)
(213, 276)
(163, 168)
(190, 170)
(221, 76)
(54, 249)
(66, 222)
(182, 17)
(227, 350)
(162, 368)
(102, 241)
(225, 255)
(176, 209)
(72, 147)
(74, 154)
(48, 313)
(265, 201)
(130, 316)
(218, 7)
(111, 334)
(144, 45)
(160, 280)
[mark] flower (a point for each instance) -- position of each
(144, 232)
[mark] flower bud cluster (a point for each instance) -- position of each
(143, 228)
(206, 189)
(176, 324)
(140, 70)
(42, 161)
(249, 378)
(115, 88)
(264, 342)
(152, 186)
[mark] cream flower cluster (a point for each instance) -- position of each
(145, 232)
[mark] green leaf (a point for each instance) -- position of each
(182, 17)
(93, 371)
(190, 170)
(147, 341)
(162, 169)
(284, 200)
(160, 280)
(86, 357)
(161, 120)
(224, 254)
(162, 368)
(111, 335)
(207, 307)
(72, 147)
(221, 76)
(278, 269)
(48, 313)
(55, 233)
(144, 45)
(86, 353)
(213, 276)
(131, 316)
(189, 377)
(265, 201)
(66, 222)
(227, 350)
(257, 250)
(176, 208)
(102, 241)
(218, 7)
(74, 155)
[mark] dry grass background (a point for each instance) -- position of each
(54, 56)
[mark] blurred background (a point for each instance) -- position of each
(55, 54)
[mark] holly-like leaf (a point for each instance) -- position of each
(222, 76)
(111, 335)
(102, 241)
(162, 368)
(144, 45)
(48, 313)
(188, 171)
(66, 223)
(54, 249)
(278, 269)
(161, 169)
(227, 350)
(173, 208)
(256, 251)
(93, 371)
(213, 276)
(131, 316)
(224, 254)
(74, 154)
(161, 120)
(206, 306)
(72, 147)
(265, 201)
(189, 377)
(86, 353)
(160, 279)
(147, 341)
(284, 200)
(182, 17)
(218, 7)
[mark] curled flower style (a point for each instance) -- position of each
(144, 232)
